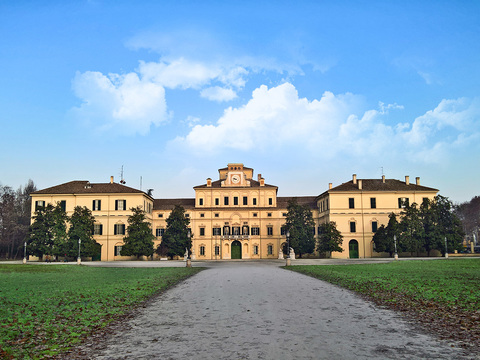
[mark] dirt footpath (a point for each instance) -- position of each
(245, 310)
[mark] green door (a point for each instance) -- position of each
(236, 250)
(353, 249)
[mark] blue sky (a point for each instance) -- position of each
(306, 92)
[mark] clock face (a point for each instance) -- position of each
(235, 179)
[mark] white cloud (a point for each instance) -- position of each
(123, 103)
(276, 121)
(217, 93)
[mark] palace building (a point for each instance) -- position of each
(237, 216)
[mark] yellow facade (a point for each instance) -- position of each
(239, 217)
(360, 206)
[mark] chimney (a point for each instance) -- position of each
(329, 186)
(259, 176)
(354, 179)
(407, 180)
(262, 182)
(209, 182)
(359, 184)
(383, 179)
(417, 179)
(111, 179)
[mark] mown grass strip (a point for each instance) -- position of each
(452, 283)
(45, 310)
(444, 295)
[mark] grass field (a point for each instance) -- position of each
(443, 294)
(45, 310)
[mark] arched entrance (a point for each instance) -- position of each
(353, 249)
(236, 250)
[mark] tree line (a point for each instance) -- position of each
(433, 225)
(14, 219)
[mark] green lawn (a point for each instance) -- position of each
(44, 310)
(452, 283)
(443, 295)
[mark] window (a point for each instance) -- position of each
(269, 230)
(255, 249)
(353, 226)
(217, 250)
(217, 201)
(245, 230)
(351, 203)
(284, 214)
(63, 205)
(160, 215)
(254, 214)
(119, 229)
(313, 231)
(97, 229)
(118, 250)
(225, 200)
(235, 200)
(235, 230)
(97, 205)
(270, 249)
(373, 203)
(402, 202)
(217, 214)
(202, 231)
(200, 202)
(270, 201)
(39, 204)
(283, 231)
(254, 201)
(187, 215)
(374, 226)
(245, 200)
(255, 231)
(202, 250)
(269, 214)
(159, 231)
(120, 205)
(217, 231)
(202, 215)
(226, 230)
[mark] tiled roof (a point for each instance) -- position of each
(218, 184)
(310, 201)
(85, 187)
(379, 185)
(169, 204)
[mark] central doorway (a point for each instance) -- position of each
(236, 250)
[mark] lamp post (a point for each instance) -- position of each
(395, 243)
(79, 259)
(446, 248)
(189, 260)
(25, 252)
(289, 261)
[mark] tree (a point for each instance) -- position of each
(383, 238)
(48, 233)
(329, 238)
(412, 232)
(14, 218)
(81, 228)
(300, 224)
(449, 225)
(176, 239)
(139, 239)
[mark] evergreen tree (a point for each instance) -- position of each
(300, 224)
(175, 239)
(139, 239)
(81, 228)
(329, 239)
(48, 233)
(412, 232)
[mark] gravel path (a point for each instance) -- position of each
(245, 310)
